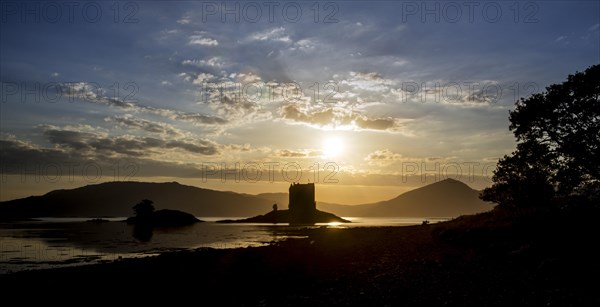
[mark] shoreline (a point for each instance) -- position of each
(27, 244)
(470, 261)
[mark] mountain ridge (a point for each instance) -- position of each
(117, 199)
(446, 198)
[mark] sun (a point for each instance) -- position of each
(332, 147)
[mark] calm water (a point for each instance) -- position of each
(56, 242)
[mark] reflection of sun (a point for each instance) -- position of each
(332, 147)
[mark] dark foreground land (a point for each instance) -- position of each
(541, 258)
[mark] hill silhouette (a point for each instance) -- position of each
(116, 199)
(447, 198)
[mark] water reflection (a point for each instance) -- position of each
(142, 232)
(31, 245)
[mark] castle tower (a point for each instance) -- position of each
(302, 205)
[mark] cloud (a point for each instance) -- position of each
(201, 119)
(184, 20)
(371, 81)
(130, 122)
(18, 155)
(238, 147)
(81, 140)
(305, 153)
(237, 110)
(186, 76)
(319, 118)
(466, 94)
(80, 90)
(75, 140)
(383, 155)
(166, 34)
(246, 78)
(215, 62)
(387, 157)
(201, 147)
(594, 27)
(400, 62)
(87, 93)
(202, 40)
(305, 45)
(233, 101)
(376, 123)
(338, 118)
(275, 34)
(202, 78)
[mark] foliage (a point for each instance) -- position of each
(143, 208)
(558, 145)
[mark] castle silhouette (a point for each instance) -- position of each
(302, 205)
(302, 210)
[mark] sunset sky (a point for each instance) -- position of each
(375, 98)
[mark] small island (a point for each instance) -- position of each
(302, 210)
(283, 216)
(146, 216)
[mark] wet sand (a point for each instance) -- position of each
(492, 259)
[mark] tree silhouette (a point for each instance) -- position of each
(558, 145)
(143, 209)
